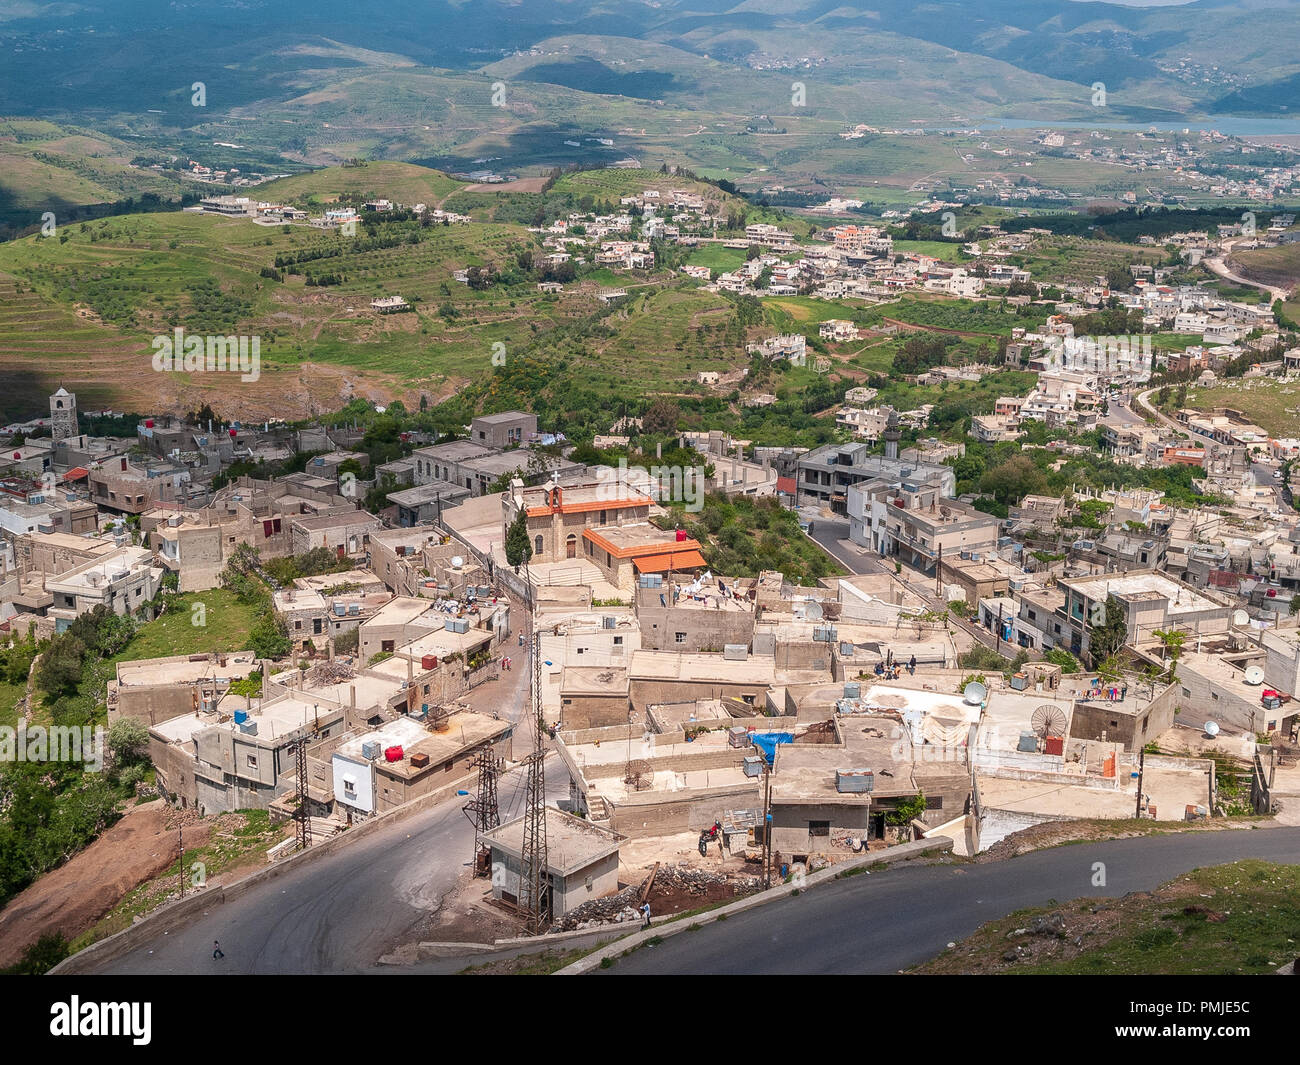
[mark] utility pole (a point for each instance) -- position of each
(767, 826)
(483, 810)
(534, 893)
(1142, 761)
(304, 815)
(180, 839)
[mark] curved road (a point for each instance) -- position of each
(340, 913)
(886, 921)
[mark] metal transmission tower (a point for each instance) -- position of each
(483, 810)
(534, 885)
(304, 814)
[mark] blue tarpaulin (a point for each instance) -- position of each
(767, 742)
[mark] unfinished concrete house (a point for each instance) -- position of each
(581, 861)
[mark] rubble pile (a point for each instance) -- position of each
(675, 879)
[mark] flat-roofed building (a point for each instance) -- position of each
(623, 552)
(581, 861)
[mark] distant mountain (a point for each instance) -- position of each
(105, 56)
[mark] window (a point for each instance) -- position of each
(618, 641)
(819, 828)
(252, 761)
(537, 545)
(386, 645)
(679, 637)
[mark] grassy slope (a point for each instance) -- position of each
(1227, 919)
(1271, 405)
(401, 182)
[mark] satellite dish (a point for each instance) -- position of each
(974, 693)
(457, 562)
(1048, 720)
(1240, 618)
(1254, 675)
(813, 611)
(1211, 729)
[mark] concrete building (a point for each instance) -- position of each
(242, 762)
(825, 474)
(124, 581)
(1151, 601)
(379, 770)
(346, 534)
(581, 861)
(154, 690)
(917, 523)
(501, 431)
(690, 617)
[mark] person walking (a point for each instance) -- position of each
(217, 952)
(645, 914)
(911, 665)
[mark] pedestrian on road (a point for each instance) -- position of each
(911, 665)
(217, 952)
(521, 639)
(645, 914)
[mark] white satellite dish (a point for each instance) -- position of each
(974, 692)
(813, 611)
(1240, 618)
(1254, 675)
(1211, 729)
(457, 562)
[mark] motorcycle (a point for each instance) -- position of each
(707, 836)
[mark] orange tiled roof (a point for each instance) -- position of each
(673, 560)
(590, 505)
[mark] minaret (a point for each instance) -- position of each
(892, 435)
(63, 415)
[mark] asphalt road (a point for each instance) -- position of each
(833, 537)
(886, 921)
(340, 913)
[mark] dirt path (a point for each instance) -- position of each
(74, 896)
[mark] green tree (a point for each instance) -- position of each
(1107, 629)
(268, 637)
(1014, 479)
(518, 547)
(128, 740)
(1172, 641)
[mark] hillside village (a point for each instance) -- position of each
(1135, 654)
(739, 658)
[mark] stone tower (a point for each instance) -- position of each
(63, 415)
(892, 435)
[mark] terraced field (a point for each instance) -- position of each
(1080, 261)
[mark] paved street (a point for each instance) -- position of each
(890, 920)
(339, 913)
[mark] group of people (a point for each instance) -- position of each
(893, 670)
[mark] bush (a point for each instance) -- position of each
(1067, 662)
(128, 740)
